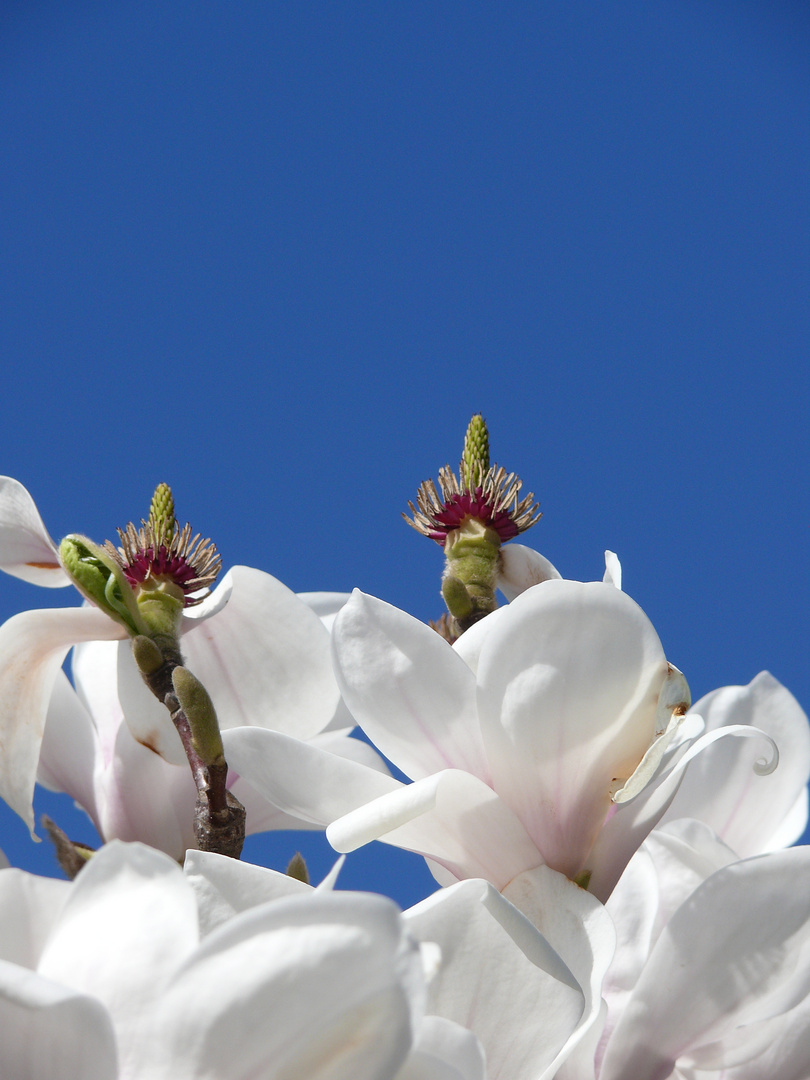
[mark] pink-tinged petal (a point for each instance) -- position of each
(487, 946)
(444, 1051)
(225, 887)
(31, 906)
(33, 645)
(316, 987)
(141, 797)
(452, 818)
(128, 924)
(26, 549)
(409, 691)
(521, 568)
(569, 686)
(264, 658)
(722, 787)
(737, 952)
(50, 1031)
(299, 778)
(613, 570)
(580, 931)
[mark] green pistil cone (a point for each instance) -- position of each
(475, 459)
(161, 514)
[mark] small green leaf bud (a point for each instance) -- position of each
(196, 703)
(297, 868)
(458, 600)
(147, 655)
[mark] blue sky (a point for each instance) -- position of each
(276, 255)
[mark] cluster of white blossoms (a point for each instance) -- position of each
(617, 898)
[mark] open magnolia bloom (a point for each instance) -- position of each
(711, 975)
(262, 653)
(107, 979)
(550, 733)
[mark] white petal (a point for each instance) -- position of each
(130, 921)
(486, 947)
(148, 719)
(722, 787)
(301, 779)
(94, 668)
(613, 570)
(444, 1051)
(452, 818)
(33, 645)
(30, 906)
(141, 797)
(326, 605)
(49, 1031)
(224, 887)
(264, 658)
(26, 549)
(735, 952)
(409, 691)
(568, 692)
(317, 987)
(578, 928)
(69, 750)
(521, 568)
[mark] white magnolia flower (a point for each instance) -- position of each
(106, 978)
(548, 734)
(711, 976)
(262, 653)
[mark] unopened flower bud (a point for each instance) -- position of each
(99, 578)
(196, 703)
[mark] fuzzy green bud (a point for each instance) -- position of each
(475, 459)
(100, 579)
(147, 655)
(196, 703)
(160, 607)
(297, 868)
(161, 514)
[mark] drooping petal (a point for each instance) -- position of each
(265, 659)
(51, 1031)
(408, 690)
(452, 818)
(303, 780)
(318, 987)
(723, 789)
(735, 953)
(487, 946)
(94, 668)
(568, 694)
(148, 719)
(26, 549)
(33, 645)
(129, 922)
(521, 568)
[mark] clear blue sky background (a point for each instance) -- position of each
(276, 254)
